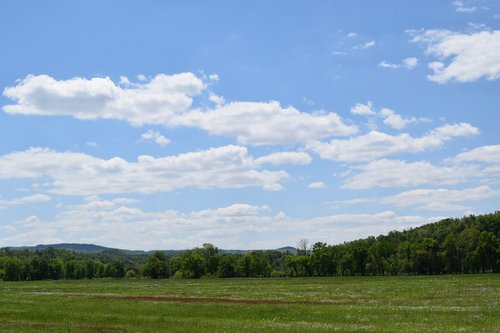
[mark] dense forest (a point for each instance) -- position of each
(452, 246)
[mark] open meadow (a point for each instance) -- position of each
(458, 303)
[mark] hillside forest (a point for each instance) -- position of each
(452, 246)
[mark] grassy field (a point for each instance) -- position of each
(465, 303)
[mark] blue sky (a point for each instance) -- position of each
(153, 124)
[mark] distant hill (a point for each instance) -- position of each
(92, 248)
(74, 247)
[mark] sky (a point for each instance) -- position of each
(245, 124)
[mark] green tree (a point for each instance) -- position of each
(157, 266)
(227, 266)
(14, 269)
(193, 264)
(210, 253)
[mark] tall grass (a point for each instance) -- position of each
(460, 303)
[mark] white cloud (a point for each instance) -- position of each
(35, 198)
(460, 7)
(213, 77)
(297, 158)
(366, 45)
(397, 173)
(385, 64)
(395, 120)
(118, 224)
(82, 174)
(124, 80)
(274, 187)
(218, 100)
(352, 35)
(440, 199)
(155, 137)
(152, 102)
(363, 109)
(473, 56)
(486, 154)
(265, 123)
(391, 118)
(167, 100)
(376, 144)
(316, 185)
(410, 63)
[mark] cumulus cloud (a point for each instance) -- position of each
(376, 144)
(390, 117)
(385, 64)
(82, 174)
(155, 136)
(118, 223)
(29, 199)
(460, 7)
(363, 109)
(366, 45)
(150, 102)
(168, 100)
(397, 173)
(408, 63)
(218, 100)
(395, 120)
(486, 154)
(316, 185)
(265, 123)
(440, 199)
(472, 56)
(297, 158)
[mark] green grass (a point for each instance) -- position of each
(460, 303)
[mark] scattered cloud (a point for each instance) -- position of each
(366, 45)
(265, 123)
(352, 35)
(152, 102)
(273, 187)
(397, 173)
(385, 64)
(374, 145)
(280, 158)
(117, 223)
(390, 117)
(408, 63)
(218, 100)
(167, 100)
(486, 154)
(155, 136)
(35, 198)
(361, 109)
(316, 186)
(213, 77)
(460, 7)
(473, 56)
(82, 174)
(395, 120)
(440, 199)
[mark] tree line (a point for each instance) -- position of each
(452, 246)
